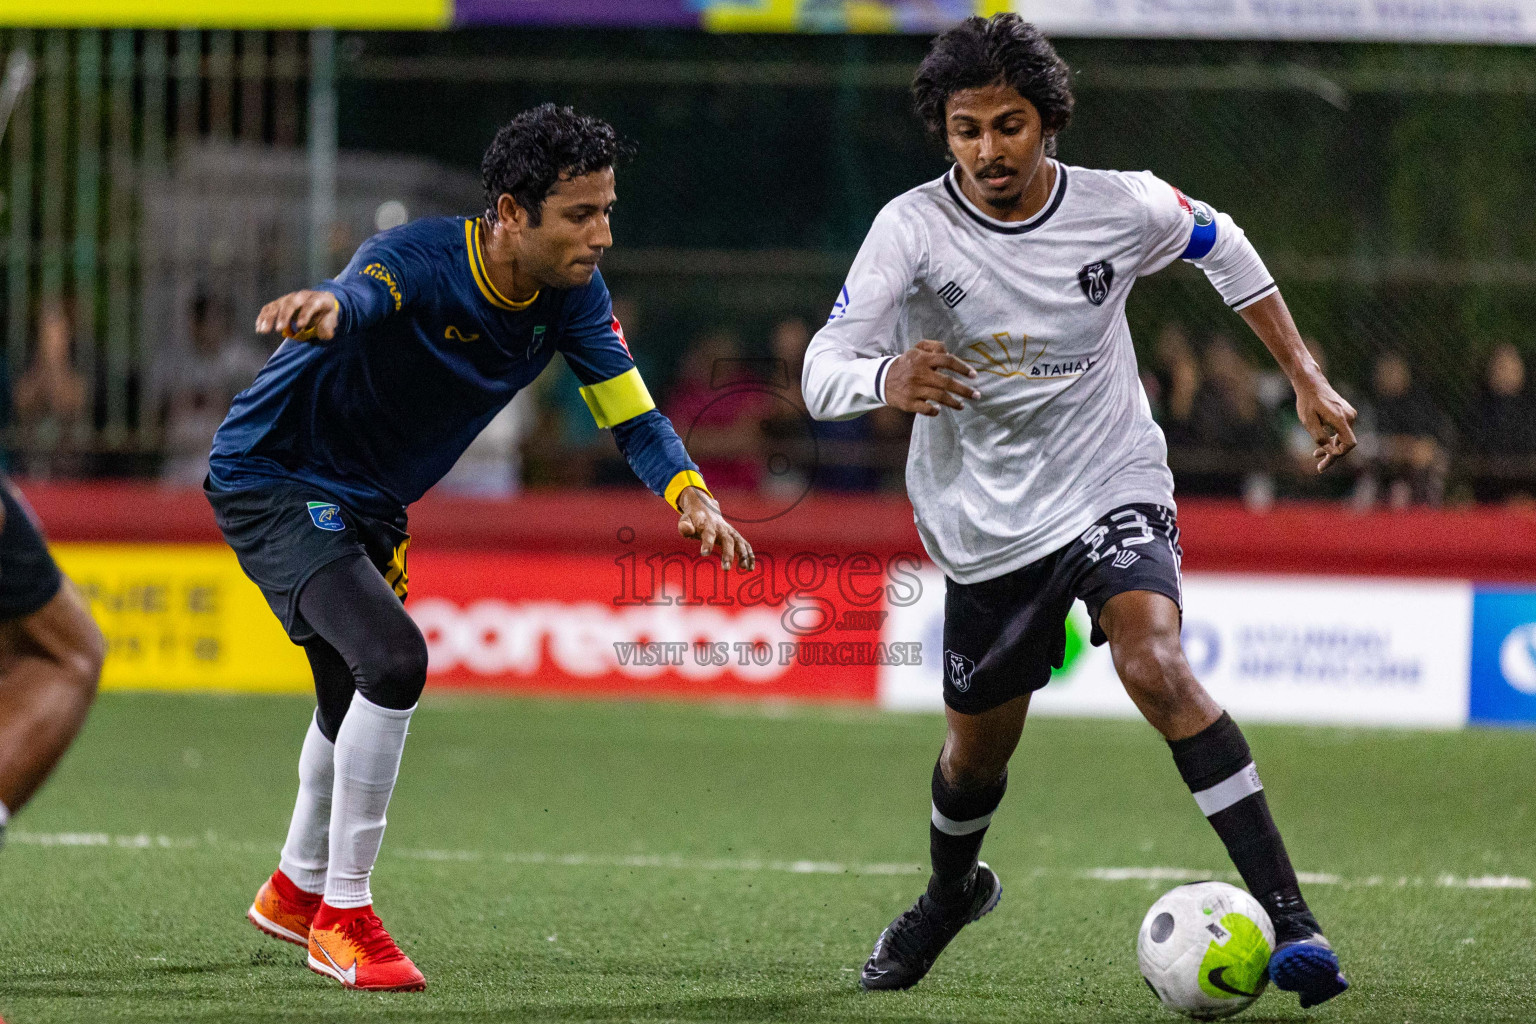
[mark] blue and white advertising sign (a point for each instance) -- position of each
(1268, 648)
(1504, 656)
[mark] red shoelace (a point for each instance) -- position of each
(374, 944)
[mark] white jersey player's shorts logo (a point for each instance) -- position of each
(960, 668)
(1096, 279)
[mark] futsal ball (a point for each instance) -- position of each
(1204, 949)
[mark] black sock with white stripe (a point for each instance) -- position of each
(1219, 770)
(955, 831)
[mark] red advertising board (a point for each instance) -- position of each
(804, 627)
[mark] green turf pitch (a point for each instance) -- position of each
(651, 862)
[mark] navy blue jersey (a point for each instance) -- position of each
(426, 352)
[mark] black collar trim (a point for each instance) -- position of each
(1003, 227)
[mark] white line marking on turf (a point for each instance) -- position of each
(1485, 882)
(668, 861)
(677, 862)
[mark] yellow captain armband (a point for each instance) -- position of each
(687, 478)
(617, 399)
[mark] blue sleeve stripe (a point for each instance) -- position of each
(1201, 240)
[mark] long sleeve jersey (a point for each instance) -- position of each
(426, 352)
(1062, 432)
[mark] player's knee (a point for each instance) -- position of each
(86, 660)
(1154, 670)
(78, 651)
(395, 672)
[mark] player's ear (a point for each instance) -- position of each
(509, 214)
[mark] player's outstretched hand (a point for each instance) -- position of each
(701, 518)
(1329, 419)
(303, 316)
(916, 379)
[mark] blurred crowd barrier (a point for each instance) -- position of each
(1305, 613)
(158, 186)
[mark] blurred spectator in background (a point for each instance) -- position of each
(195, 382)
(1501, 439)
(492, 465)
(1172, 385)
(792, 453)
(719, 412)
(572, 450)
(1403, 438)
(843, 455)
(1234, 444)
(1305, 480)
(50, 399)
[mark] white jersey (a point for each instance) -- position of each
(1062, 432)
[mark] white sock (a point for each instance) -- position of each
(368, 749)
(5, 814)
(309, 832)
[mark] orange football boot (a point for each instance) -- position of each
(283, 910)
(352, 946)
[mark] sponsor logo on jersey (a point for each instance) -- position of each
(1125, 559)
(1096, 279)
(452, 333)
(840, 307)
(379, 272)
(618, 332)
(1050, 371)
(535, 341)
(1002, 356)
(1203, 216)
(951, 293)
(326, 516)
(959, 669)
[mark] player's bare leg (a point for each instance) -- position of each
(50, 662)
(1213, 757)
(968, 784)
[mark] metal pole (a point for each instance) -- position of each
(154, 269)
(322, 150)
(119, 252)
(55, 97)
(87, 211)
(19, 199)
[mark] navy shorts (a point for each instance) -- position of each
(1002, 637)
(29, 577)
(284, 532)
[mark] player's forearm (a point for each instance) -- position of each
(656, 455)
(838, 386)
(1271, 321)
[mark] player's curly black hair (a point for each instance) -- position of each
(1003, 49)
(541, 146)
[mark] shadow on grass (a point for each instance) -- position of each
(826, 1007)
(108, 982)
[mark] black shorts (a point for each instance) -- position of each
(29, 576)
(1002, 637)
(284, 532)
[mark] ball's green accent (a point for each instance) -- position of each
(1237, 968)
